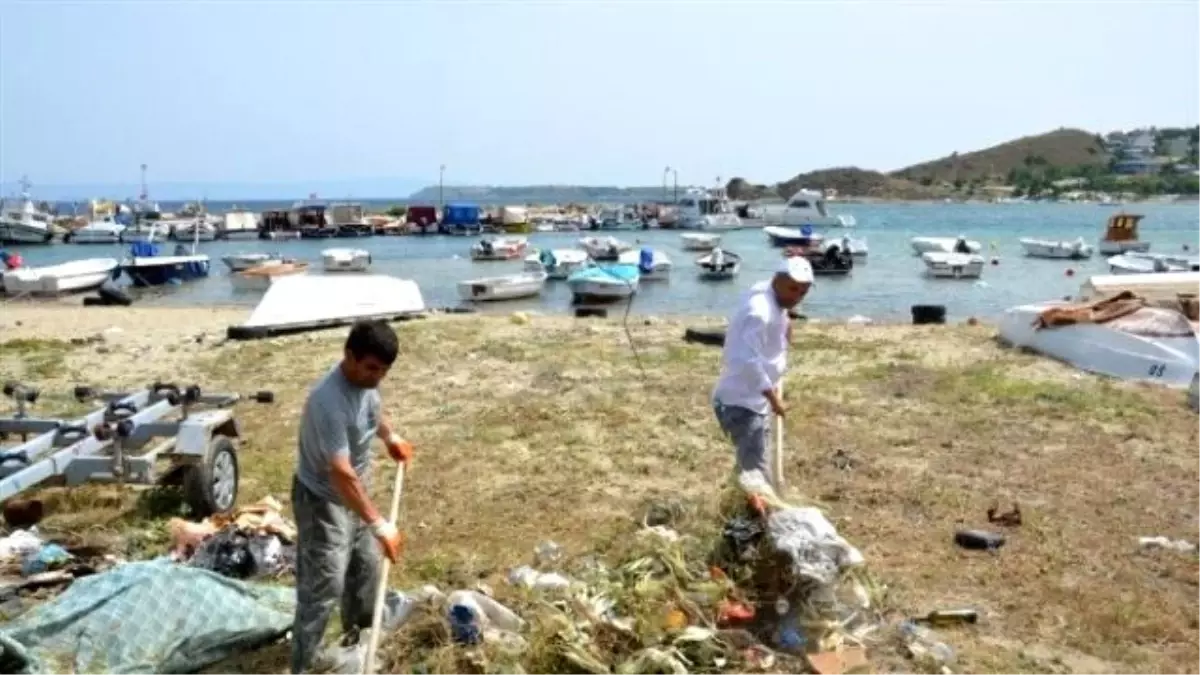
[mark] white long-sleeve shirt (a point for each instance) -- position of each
(754, 358)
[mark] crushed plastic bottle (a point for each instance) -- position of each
(924, 644)
(547, 553)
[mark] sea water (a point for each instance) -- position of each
(883, 287)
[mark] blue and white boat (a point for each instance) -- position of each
(145, 266)
(605, 282)
(653, 265)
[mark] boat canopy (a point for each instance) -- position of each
(1122, 227)
(461, 213)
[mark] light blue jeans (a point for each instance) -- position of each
(750, 432)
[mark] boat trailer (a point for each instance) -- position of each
(123, 441)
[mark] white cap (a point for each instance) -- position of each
(798, 268)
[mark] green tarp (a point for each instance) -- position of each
(145, 617)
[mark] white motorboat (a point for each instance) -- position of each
(653, 265)
(239, 262)
(701, 209)
(1152, 344)
(558, 263)
(509, 287)
(857, 248)
(698, 241)
(238, 225)
(1136, 262)
(606, 249)
(783, 237)
(260, 277)
(958, 244)
(499, 248)
(1043, 248)
(345, 259)
(22, 222)
(719, 265)
(942, 265)
(196, 230)
(1153, 287)
(605, 282)
(808, 207)
(68, 277)
(104, 231)
(1121, 235)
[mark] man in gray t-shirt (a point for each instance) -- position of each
(335, 519)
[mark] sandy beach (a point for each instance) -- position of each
(549, 427)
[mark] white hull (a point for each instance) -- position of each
(23, 233)
(96, 235)
(77, 275)
(501, 248)
(1105, 349)
(720, 275)
(953, 265)
(1145, 263)
(1107, 247)
(190, 234)
(604, 289)
(239, 235)
(1070, 250)
(511, 287)
(941, 245)
(727, 267)
(714, 221)
(699, 242)
(345, 260)
(857, 247)
(566, 263)
(138, 235)
(604, 248)
(660, 268)
(243, 261)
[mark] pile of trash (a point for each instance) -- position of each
(253, 542)
(776, 588)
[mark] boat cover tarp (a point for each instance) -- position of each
(146, 617)
(461, 214)
(301, 300)
(1126, 312)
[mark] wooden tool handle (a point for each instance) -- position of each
(384, 569)
(777, 456)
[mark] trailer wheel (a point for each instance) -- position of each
(211, 485)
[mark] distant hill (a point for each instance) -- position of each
(847, 181)
(538, 194)
(1062, 148)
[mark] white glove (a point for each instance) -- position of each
(383, 529)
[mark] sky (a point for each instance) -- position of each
(286, 97)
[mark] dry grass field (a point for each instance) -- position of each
(554, 429)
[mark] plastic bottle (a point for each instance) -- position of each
(924, 644)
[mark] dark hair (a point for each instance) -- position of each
(373, 338)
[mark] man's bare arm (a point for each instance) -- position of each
(350, 489)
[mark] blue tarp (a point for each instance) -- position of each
(143, 249)
(146, 617)
(461, 214)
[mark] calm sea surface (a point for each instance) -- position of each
(883, 288)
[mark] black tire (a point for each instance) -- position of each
(705, 336)
(211, 485)
(928, 314)
(92, 301)
(585, 312)
(246, 333)
(461, 309)
(113, 295)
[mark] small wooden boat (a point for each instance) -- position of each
(261, 277)
(1121, 235)
(945, 245)
(499, 248)
(720, 265)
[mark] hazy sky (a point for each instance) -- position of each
(566, 92)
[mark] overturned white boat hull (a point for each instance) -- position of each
(1152, 287)
(69, 277)
(953, 265)
(304, 302)
(1119, 348)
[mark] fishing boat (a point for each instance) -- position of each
(652, 265)
(68, 277)
(808, 207)
(959, 244)
(346, 259)
(942, 265)
(701, 209)
(1136, 262)
(104, 231)
(239, 262)
(22, 221)
(1121, 235)
(720, 265)
(196, 230)
(146, 266)
(1071, 250)
(557, 263)
(349, 220)
(237, 225)
(699, 241)
(604, 282)
(261, 277)
(784, 237)
(499, 248)
(509, 287)
(606, 249)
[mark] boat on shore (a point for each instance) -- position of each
(68, 277)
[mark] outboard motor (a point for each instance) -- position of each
(960, 246)
(718, 258)
(486, 245)
(646, 261)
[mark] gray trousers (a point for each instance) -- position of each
(337, 560)
(750, 432)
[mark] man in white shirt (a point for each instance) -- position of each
(754, 360)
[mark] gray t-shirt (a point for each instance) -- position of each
(339, 419)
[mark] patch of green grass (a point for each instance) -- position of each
(39, 358)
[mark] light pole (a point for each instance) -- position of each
(442, 187)
(675, 184)
(666, 171)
